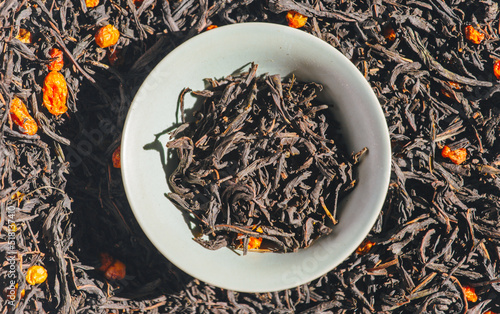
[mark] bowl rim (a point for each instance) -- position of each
(128, 186)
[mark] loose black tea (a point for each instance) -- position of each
(261, 162)
(438, 233)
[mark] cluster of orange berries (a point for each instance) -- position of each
(476, 37)
(55, 89)
(112, 268)
(55, 93)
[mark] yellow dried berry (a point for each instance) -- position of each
(116, 158)
(295, 19)
(36, 274)
(22, 118)
(55, 93)
(470, 293)
(91, 3)
(107, 36)
(25, 36)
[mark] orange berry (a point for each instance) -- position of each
(57, 62)
(55, 93)
(496, 69)
(36, 274)
(115, 158)
(209, 27)
(22, 118)
(457, 156)
(295, 19)
(389, 32)
(91, 3)
(446, 151)
(116, 271)
(472, 35)
(25, 36)
(470, 293)
(365, 247)
(106, 261)
(107, 36)
(254, 243)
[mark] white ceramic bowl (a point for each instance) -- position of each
(277, 50)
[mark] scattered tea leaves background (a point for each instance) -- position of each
(438, 230)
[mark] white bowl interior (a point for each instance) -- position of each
(277, 50)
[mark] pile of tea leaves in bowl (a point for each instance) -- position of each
(262, 166)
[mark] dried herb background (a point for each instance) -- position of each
(438, 231)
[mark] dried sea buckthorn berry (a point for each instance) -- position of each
(116, 271)
(253, 242)
(473, 35)
(57, 62)
(115, 158)
(457, 156)
(11, 294)
(295, 19)
(365, 247)
(445, 152)
(106, 261)
(107, 36)
(470, 293)
(36, 274)
(22, 118)
(55, 93)
(389, 32)
(209, 27)
(91, 3)
(113, 269)
(13, 227)
(496, 69)
(25, 36)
